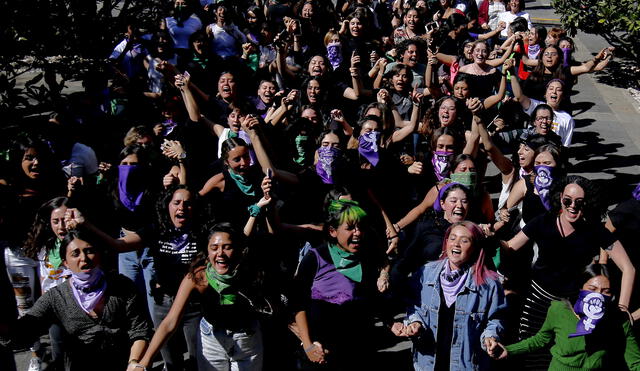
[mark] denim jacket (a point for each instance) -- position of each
(478, 314)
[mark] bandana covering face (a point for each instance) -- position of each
(543, 182)
(346, 263)
(334, 53)
(326, 163)
(452, 282)
(88, 288)
(636, 193)
(441, 164)
(591, 307)
(368, 146)
(566, 52)
(222, 284)
(130, 185)
(468, 179)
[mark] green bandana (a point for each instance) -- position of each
(253, 61)
(203, 62)
(223, 284)
(301, 150)
(346, 263)
(232, 134)
(245, 186)
(54, 255)
(467, 179)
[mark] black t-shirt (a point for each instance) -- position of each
(561, 260)
(626, 219)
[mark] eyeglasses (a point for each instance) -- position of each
(543, 119)
(550, 54)
(578, 204)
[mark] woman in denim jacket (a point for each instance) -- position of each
(458, 306)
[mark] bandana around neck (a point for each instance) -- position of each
(452, 282)
(542, 183)
(243, 183)
(334, 53)
(88, 288)
(222, 284)
(533, 51)
(590, 307)
(368, 146)
(326, 163)
(54, 254)
(441, 162)
(130, 185)
(346, 263)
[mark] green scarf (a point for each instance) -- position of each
(223, 284)
(467, 179)
(203, 62)
(253, 61)
(243, 183)
(301, 149)
(232, 134)
(54, 255)
(346, 263)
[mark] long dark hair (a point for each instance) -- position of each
(537, 75)
(41, 235)
(594, 206)
(166, 228)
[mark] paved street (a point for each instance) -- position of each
(606, 144)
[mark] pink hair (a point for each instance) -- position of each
(480, 272)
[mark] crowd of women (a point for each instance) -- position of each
(255, 185)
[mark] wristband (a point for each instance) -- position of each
(392, 238)
(254, 210)
(306, 350)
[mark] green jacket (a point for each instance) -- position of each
(602, 349)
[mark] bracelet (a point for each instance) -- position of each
(392, 237)
(306, 350)
(133, 360)
(397, 227)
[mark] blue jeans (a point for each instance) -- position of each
(224, 350)
(172, 351)
(138, 266)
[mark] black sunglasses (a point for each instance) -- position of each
(578, 204)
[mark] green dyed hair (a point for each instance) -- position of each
(344, 211)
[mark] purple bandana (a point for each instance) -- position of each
(452, 282)
(566, 52)
(542, 183)
(368, 146)
(130, 186)
(88, 288)
(636, 193)
(168, 126)
(334, 53)
(591, 307)
(441, 164)
(533, 51)
(326, 163)
(436, 203)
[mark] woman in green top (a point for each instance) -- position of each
(589, 335)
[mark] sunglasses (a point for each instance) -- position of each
(577, 204)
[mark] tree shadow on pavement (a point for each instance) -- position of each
(621, 73)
